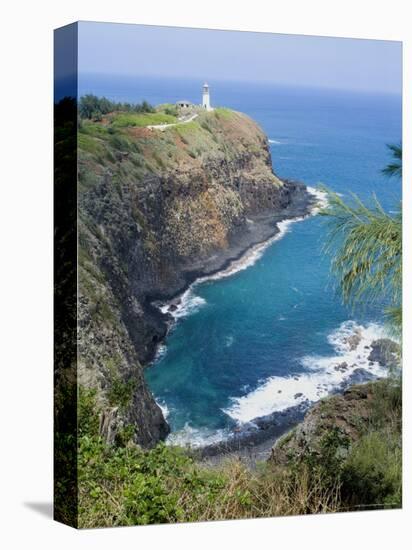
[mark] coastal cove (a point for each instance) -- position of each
(201, 200)
(254, 420)
(245, 342)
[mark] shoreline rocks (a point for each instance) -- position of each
(257, 438)
(385, 351)
(347, 413)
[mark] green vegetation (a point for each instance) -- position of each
(372, 474)
(223, 112)
(120, 391)
(168, 108)
(122, 120)
(88, 144)
(93, 107)
(128, 486)
(125, 485)
(395, 167)
(87, 419)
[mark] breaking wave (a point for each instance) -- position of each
(321, 199)
(197, 437)
(164, 408)
(187, 304)
(351, 343)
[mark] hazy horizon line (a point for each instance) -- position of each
(263, 82)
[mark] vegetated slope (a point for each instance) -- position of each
(346, 455)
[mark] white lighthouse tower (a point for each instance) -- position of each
(206, 97)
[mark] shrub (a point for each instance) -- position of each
(93, 107)
(171, 110)
(372, 475)
(126, 486)
(120, 391)
(87, 416)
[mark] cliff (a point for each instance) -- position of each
(347, 414)
(347, 418)
(155, 209)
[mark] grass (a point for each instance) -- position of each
(373, 471)
(112, 145)
(93, 129)
(123, 120)
(88, 144)
(223, 112)
(128, 486)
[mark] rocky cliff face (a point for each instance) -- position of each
(156, 208)
(349, 414)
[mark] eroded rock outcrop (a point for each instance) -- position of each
(386, 352)
(348, 414)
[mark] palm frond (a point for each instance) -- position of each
(366, 245)
(394, 317)
(394, 168)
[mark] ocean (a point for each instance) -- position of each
(267, 334)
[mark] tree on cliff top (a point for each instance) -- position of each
(368, 256)
(93, 107)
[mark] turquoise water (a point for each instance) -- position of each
(249, 344)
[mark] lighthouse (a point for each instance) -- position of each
(206, 97)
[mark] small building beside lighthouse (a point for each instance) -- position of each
(206, 97)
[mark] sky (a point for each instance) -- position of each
(292, 60)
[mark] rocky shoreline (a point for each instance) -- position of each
(260, 229)
(259, 436)
(255, 442)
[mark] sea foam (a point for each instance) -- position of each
(164, 408)
(323, 375)
(321, 199)
(188, 303)
(196, 437)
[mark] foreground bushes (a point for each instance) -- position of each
(127, 485)
(372, 474)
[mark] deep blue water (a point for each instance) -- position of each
(234, 355)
